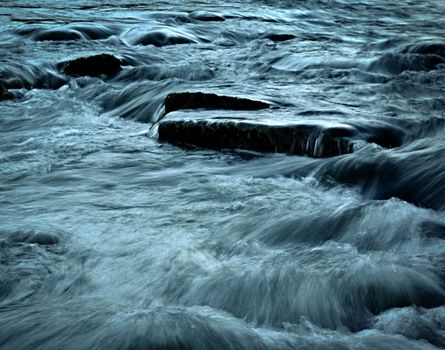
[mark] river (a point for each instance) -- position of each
(111, 239)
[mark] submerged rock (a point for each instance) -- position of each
(194, 100)
(58, 34)
(161, 38)
(396, 64)
(433, 229)
(41, 238)
(93, 66)
(5, 94)
(427, 48)
(68, 33)
(205, 16)
(33, 79)
(413, 174)
(381, 134)
(29, 76)
(95, 32)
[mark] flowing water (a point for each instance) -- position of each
(110, 239)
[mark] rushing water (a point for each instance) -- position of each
(110, 239)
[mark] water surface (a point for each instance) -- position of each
(110, 239)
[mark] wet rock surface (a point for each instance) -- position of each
(306, 137)
(93, 66)
(195, 100)
(311, 140)
(278, 37)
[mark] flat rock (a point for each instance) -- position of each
(262, 131)
(93, 66)
(314, 139)
(195, 100)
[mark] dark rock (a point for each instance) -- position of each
(205, 16)
(62, 34)
(93, 66)
(5, 94)
(161, 38)
(194, 100)
(277, 37)
(314, 140)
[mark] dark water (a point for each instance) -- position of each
(112, 240)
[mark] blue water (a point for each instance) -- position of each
(110, 239)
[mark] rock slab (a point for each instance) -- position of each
(195, 100)
(314, 140)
